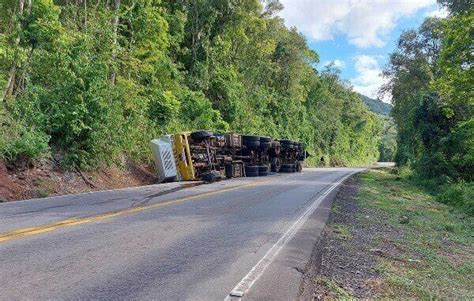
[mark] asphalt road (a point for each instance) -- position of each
(249, 236)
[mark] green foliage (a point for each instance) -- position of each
(388, 142)
(20, 143)
(457, 6)
(459, 195)
(101, 80)
(430, 78)
(434, 258)
(377, 106)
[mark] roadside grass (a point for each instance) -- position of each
(341, 231)
(432, 256)
(334, 291)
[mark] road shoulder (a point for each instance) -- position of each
(282, 279)
(386, 238)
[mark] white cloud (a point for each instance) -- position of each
(438, 13)
(340, 64)
(369, 76)
(366, 23)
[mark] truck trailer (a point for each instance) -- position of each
(207, 156)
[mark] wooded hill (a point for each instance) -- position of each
(377, 106)
(93, 81)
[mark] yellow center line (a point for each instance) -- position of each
(30, 231)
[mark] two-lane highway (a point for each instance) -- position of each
(250, 236)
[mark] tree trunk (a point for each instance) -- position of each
(115, 24)
(85, 13)
(12, 73)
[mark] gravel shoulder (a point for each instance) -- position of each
(342, 264)
(386, 238)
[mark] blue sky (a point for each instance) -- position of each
(357, 35)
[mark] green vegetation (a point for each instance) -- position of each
(431, 78)
(377, 106)
(342, 231)
(336, 291)
(433, 244)
(97, 80)
(388, 142)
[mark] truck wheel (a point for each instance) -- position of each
(251, 143)
(211, 177)
(252, 174)
(201, 135)
(265, 139)
(287, 168)
(286, 144)
(251, 168)
(263, 170)
(274, 167)
(229, 171)
(250, 138)
(265, 145)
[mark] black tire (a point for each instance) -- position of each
(263, 174)
(229, 171)
(251, 168)
(251, 143)
(287, 145)
(274, 168)
(265, 145)
(287, 168)
(285, 141)
(251, 174)
(201, 135)
(262, 169)
(250, 138)
(211, 177)
(265, 139)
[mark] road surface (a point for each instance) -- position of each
(249, 237)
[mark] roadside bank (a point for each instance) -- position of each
(46, 178)
(386, 238)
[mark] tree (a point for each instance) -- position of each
(98, 80)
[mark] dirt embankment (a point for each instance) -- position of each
(47, 178)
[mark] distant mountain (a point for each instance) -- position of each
(377, 106)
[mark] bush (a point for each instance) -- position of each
(20, 143)
(459, 195)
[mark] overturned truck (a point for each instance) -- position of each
(208, 156)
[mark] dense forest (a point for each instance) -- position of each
(90, 82)
(431, 81)
(377, 106)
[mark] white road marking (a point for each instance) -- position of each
(249, 280)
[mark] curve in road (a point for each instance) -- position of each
(197, 243)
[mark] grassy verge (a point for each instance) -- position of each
(431, 255)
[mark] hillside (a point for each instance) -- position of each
(98, 87)
(377, 106)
